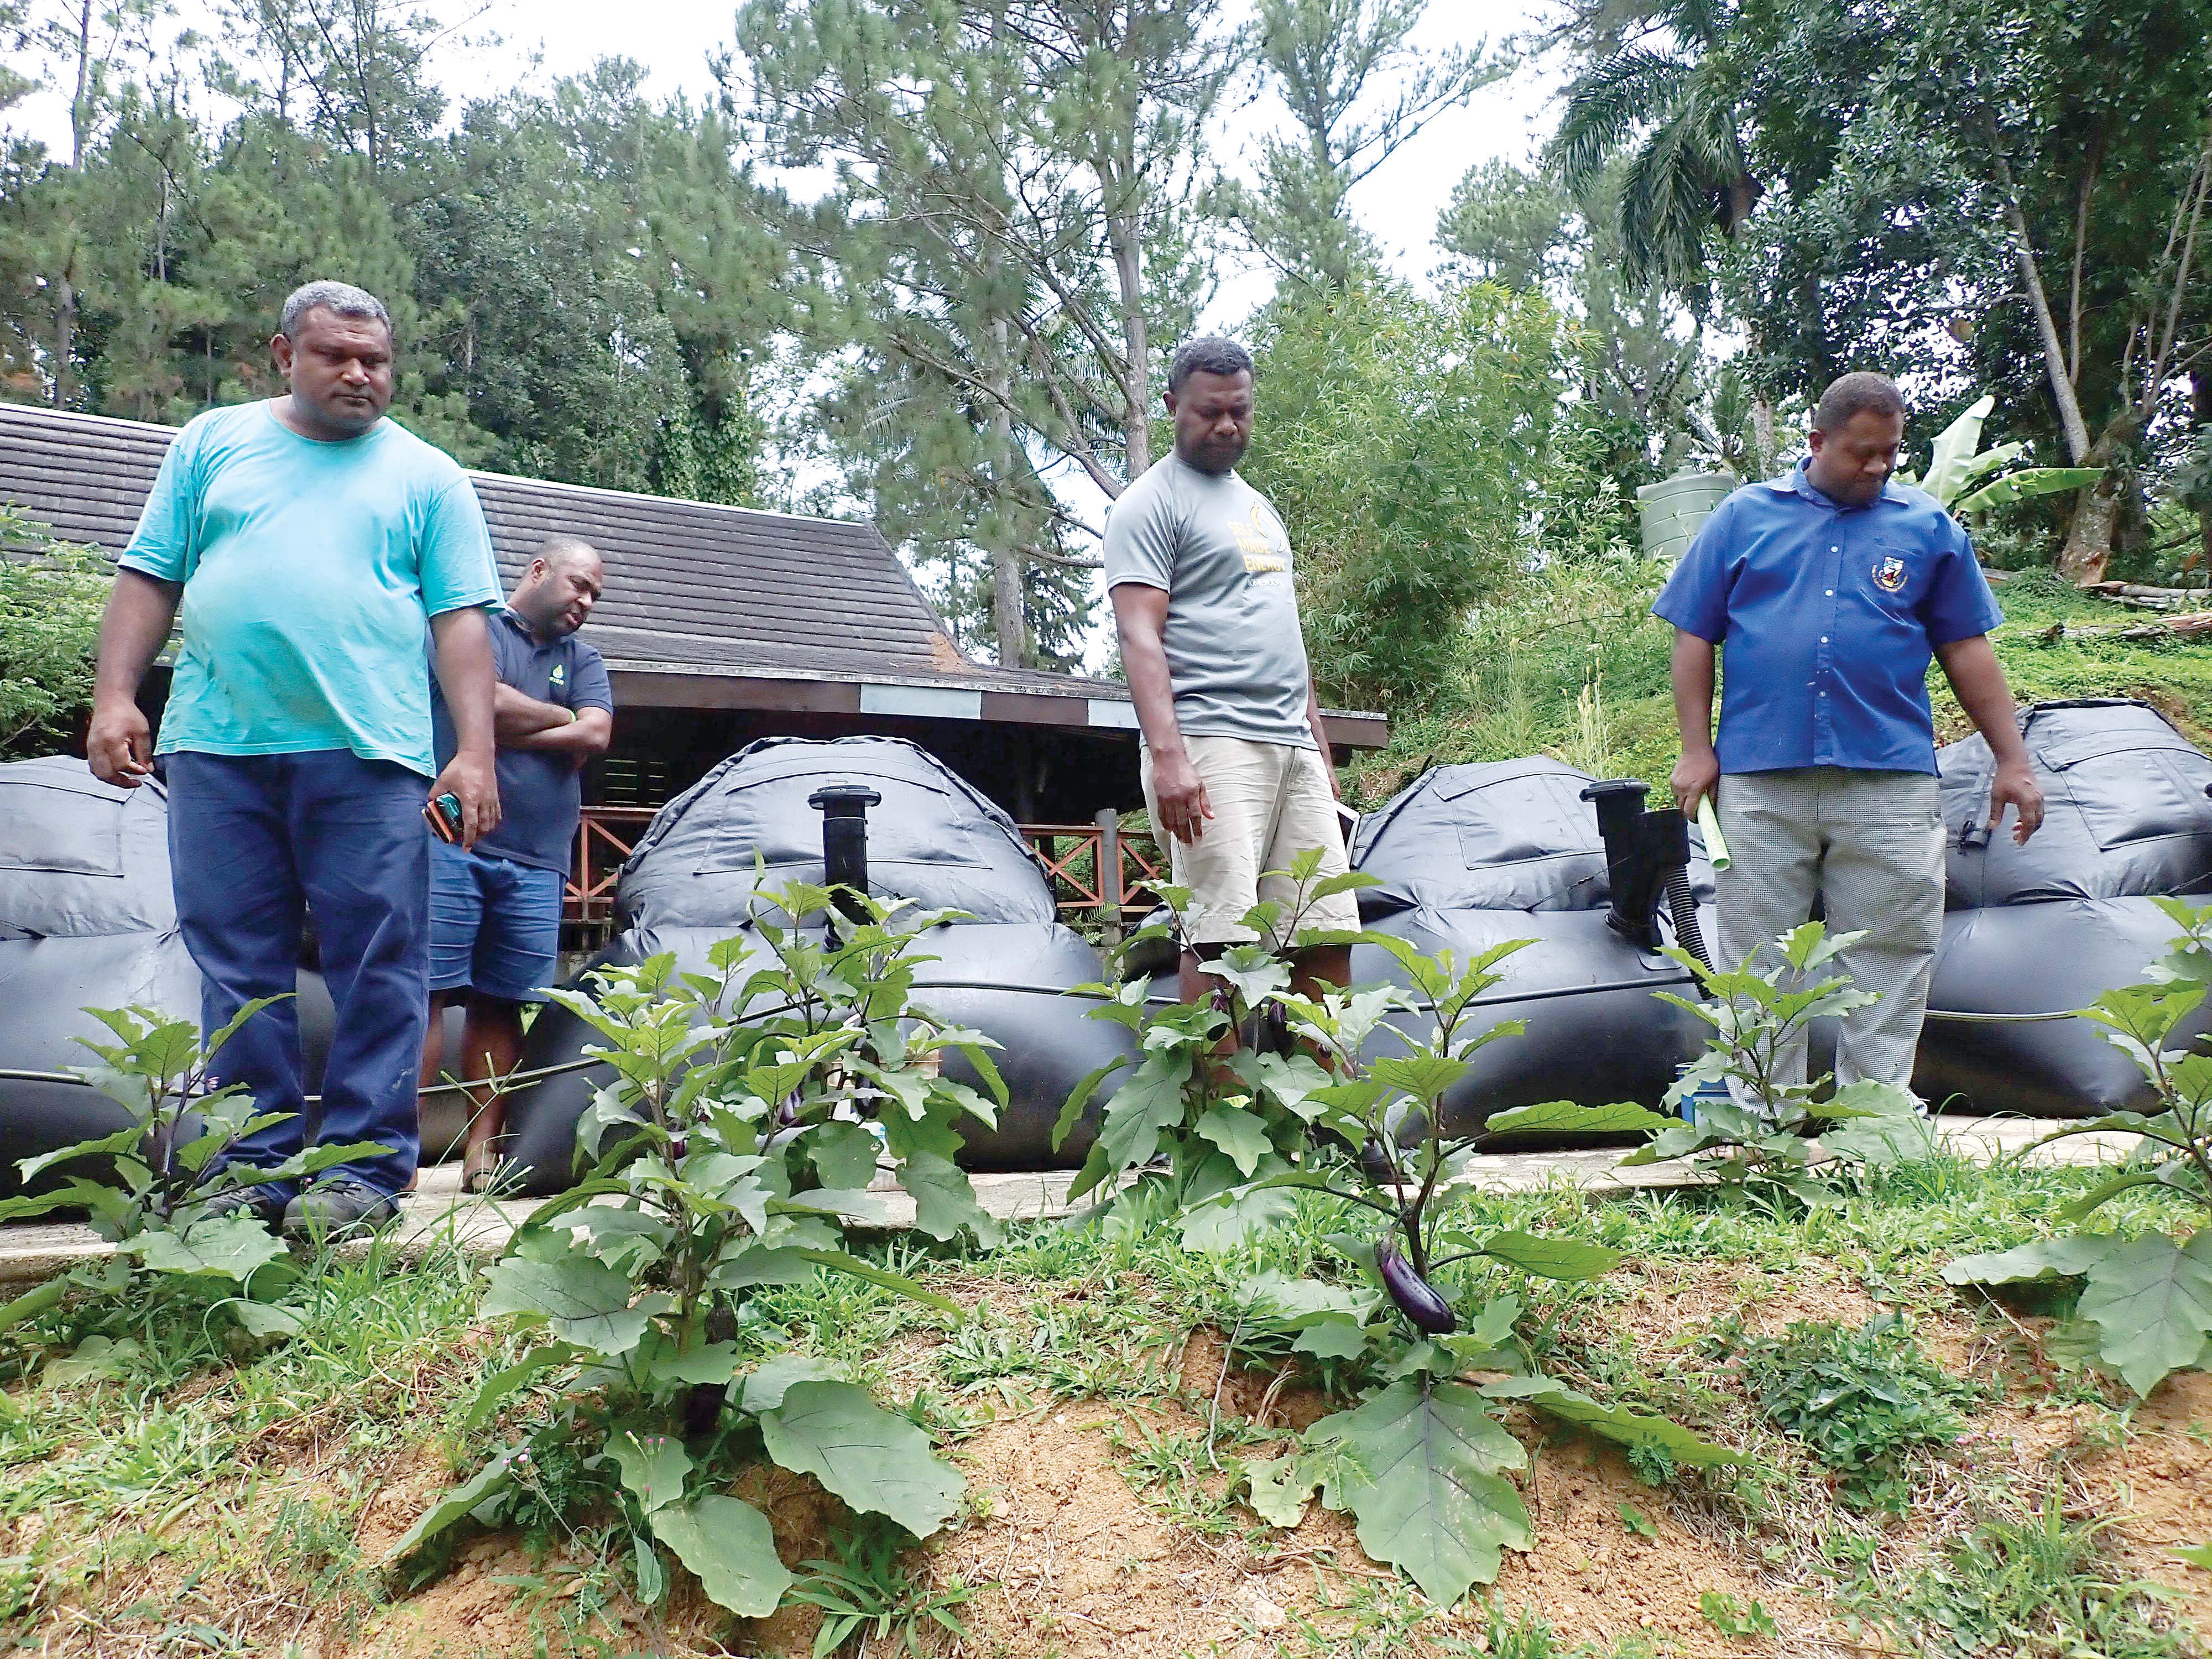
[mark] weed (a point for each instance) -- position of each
(1721, 1613)
(1861, 1401)
(2032, 1586)
(869, 1598)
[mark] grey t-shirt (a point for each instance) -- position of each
(1211, 542)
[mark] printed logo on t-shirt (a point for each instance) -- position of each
(1260, 539)
(1889, 574)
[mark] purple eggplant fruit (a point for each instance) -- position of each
(786, 1115)
(678, 1145)
(1416, 1297)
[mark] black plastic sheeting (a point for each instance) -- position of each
(1473, 856)
(1595, 1032)
(934, 840)
(87, 920)
(1498, 835)
(2124, 809)
(2046, 928)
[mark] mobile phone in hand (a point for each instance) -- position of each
(443, 815)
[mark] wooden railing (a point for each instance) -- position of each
(1075, 855)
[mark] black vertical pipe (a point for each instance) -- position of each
(844, 808)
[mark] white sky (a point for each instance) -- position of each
(674, 39)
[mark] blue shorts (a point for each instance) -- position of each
(494, 925)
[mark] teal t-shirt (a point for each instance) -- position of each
(310, 572)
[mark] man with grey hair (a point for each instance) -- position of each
(1236, 765)
(303, 544)
(1828, 590)
(496, 907)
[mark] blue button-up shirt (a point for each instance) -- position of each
(1827, 617)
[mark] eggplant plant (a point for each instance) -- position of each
(1424, 1462)
(2145, 1309)
(1757, 1136)
(162, 1181)
(752, 1110)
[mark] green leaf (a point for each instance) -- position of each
(878, 1462)
(2152, 1305)
(2028, 481)
(1564, 1117)
(2196, 1555)
(1238, 1132)
(2047, 1258)
(583, 1300)
(730, 1548)
(1426, 1478)
(912, 1289)
(1619, 1423)
(95, 1359)
(1235, 1218)
(1332, 1336)
(844, 1153)
(1425, 1077)
(455, 1506)
(1279, 1488)
(653, 1466)
(1551, 1258)
(33, 1303)
(945, 1200)
(1072, 1113)
(123, 1141)
(233, 1247)
(1147, 1105)
(266, 1321)
(767, 1383)
(503, 1383)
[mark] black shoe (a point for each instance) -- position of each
(340, 1209)
(266, 1204)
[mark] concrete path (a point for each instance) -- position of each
(439, 1213)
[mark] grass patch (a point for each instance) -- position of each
(196, 1499)
(1571, 662)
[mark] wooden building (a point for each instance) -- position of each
(719, 625)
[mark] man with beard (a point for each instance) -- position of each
(1828, 590)
(302, 544)
(495, 907)
(1236, 769)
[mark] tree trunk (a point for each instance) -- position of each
(1128, 270)
(2046, 326)
(1762, 435)
(2200, 384)
(1009, 625)
(2096, 510)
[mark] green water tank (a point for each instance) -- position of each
(1673, 508)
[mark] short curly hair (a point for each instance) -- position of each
(339, 299)
(1861, 393)
(1210, 354)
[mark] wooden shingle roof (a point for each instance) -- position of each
(695, 590)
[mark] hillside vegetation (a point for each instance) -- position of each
(1572, 664)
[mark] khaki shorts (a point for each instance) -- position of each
(1271, 802)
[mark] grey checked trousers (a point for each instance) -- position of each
(1873, 844)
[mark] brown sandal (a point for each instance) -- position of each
(479, 1165)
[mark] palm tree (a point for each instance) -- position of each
(1672, 106)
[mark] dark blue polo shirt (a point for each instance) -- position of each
(1827, 617)
(540, 796)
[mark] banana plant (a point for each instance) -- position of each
(1956, 471)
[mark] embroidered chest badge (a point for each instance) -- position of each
(1889, 574)
(560, 673)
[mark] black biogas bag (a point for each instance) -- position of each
(2044, 928)
(1498, 835)
(87, 920)
(2126, 814)
(702, 871)
(1475, 855)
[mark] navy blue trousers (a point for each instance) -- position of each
(258, 842)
